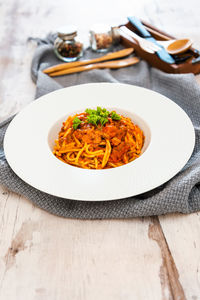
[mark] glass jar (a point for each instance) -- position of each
(101, 38)
(66, 46)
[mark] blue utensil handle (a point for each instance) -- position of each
(161, 53)
(138, 25)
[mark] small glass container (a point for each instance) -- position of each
(66, 45)
(101, 39)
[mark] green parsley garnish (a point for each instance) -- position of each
(93, 119)
(76, 122)
(115, 116)
(100, 116)
(96, 117)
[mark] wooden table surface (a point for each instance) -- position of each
(46, 257)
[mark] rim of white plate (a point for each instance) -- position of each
(33, 161)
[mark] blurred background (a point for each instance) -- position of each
(20, 19)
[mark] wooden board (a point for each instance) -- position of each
(185, 67)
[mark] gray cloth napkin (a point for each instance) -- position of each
(180, 194)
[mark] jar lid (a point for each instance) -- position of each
(68, 32)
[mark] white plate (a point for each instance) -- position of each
(30, 137)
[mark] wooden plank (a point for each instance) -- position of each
(168, 272)
(182, 235)
(101, 259)
(46, 257)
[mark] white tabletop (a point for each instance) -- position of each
(46, 257)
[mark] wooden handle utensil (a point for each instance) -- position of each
(109, 56)
(114, 64)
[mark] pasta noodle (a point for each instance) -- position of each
(110, 142)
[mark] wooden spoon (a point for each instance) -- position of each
(114, 64)
(176, 46)
(109, 56)
(179, 46)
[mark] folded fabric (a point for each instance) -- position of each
(180, 194)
